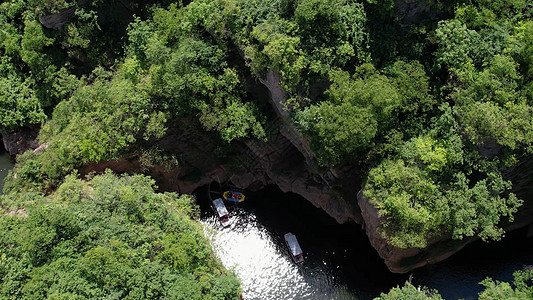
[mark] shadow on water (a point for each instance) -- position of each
(339, 261)
(458, 277)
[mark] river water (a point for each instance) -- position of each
(339, 261)
(5, 165)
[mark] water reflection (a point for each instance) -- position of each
(262, 262)
(339, 261)
(458, 276)
(264, 269)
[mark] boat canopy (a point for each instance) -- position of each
(293, 245)
(221, 209)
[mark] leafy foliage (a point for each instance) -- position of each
(523, 288)
(484, 103)
(432, 124)
(18, 103)
(408, 199)
(409, 291)
(302, 40)
(493, 289)
(108, 237)
(347, 124)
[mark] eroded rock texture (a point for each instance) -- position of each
(19, 141)
(286, 160)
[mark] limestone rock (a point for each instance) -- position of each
(18, 142)
(400, 260)
(57, 21)
(286, 160)
(404, 260)
(413, 11)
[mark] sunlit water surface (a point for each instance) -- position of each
(265, 270)
(253, 246)
(339, 261)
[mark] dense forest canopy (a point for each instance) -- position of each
(432, 106)
(108, 237)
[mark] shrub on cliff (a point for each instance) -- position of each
(484, 123)
(409, 292)
(448, 114)
(521, 288)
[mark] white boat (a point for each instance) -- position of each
(294, 248)
(221, 211)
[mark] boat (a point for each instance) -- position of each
(233, 196)
(221, 211)
(294, 248)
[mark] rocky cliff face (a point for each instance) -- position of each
(254, 164)
(404, 260)
(57, 21)
(19, 141)
(290, 165)
(286, 160)
(415, 11)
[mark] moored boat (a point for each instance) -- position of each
(222, 212)
(233, 196)
(294, 248)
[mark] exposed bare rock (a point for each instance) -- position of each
(277, 97)
(521, 175)
(302, 175)
(404, 260)
(41, 148)
(279, 162)
(18, 142)
(287, 161)
(489, 148)
(17, 212)
(414, 11)
(57, 21)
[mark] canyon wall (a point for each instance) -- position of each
(285, 159)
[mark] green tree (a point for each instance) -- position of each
(339, 132)
(110, 236)
(409, 292)
(358, 109)
(407, 198)
(19, 106)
